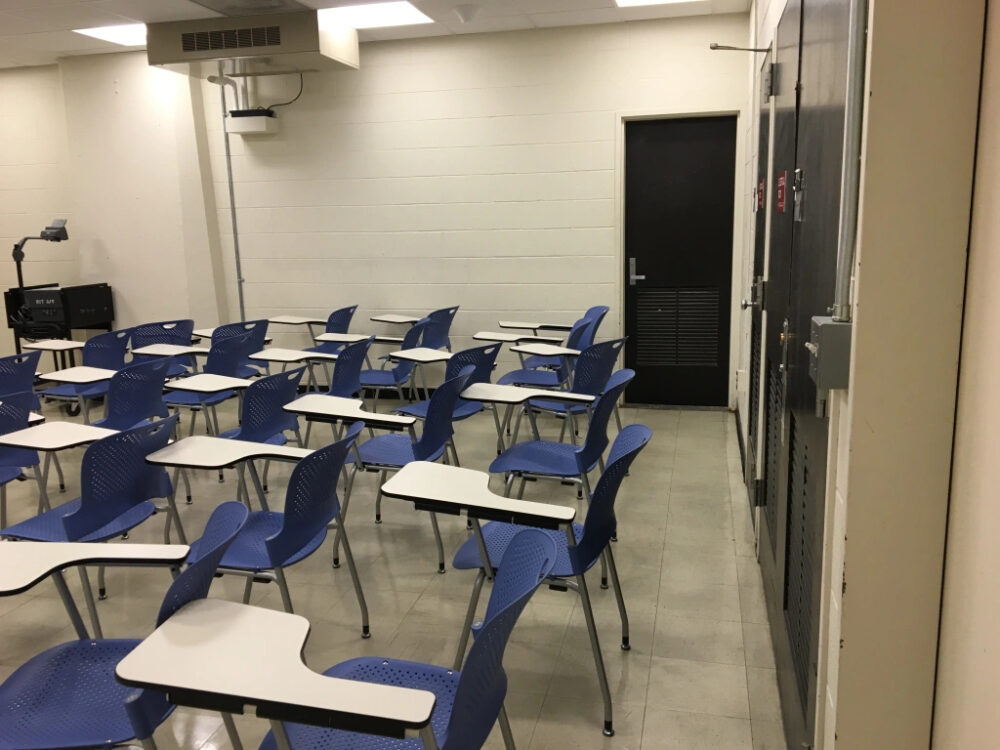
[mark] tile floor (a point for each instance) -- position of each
(700, 673)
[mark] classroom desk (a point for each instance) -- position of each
(294, 356)
(24, 564)
(60, 348)
(547, 350)
(208, 655)
(170, 350)
(205, 382)
(80, 375)
(298, 320)
(210, 452)
(510, 396)
(394, 318)
(49, 438)
(206, 333)
(514, 338)
(317, 407)
(535, 326)
(342, 338)
(420, 356)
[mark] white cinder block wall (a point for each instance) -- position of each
(478, 170)
(33, 174)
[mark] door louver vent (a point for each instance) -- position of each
(257, 36)
(677, 327)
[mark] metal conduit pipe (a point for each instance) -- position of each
(851, 175)
(223, 81)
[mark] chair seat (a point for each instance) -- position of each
(68, 697)
(441, 681)
(391, 450)
(192, 399)
(536, 361)
(326, 347)
(69, 391)
(48, 526)
(249, 549)
(539, 457)
(557, 407)
(234, 434)
(463, 409)
(535, 378)
(249, 371)
(9, 473)
(379, 378)
(498, 536)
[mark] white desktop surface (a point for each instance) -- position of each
(344, 409)
(54, 436)
(394, 318)
(79, 375)
(209, 452)
(23, 564)
(342, 338)
(545, 350)
(205, 382)
(513, 338)
(277, 354)
(421, 355)
(34, 418)
(296, 320)
(513, 394)
(54, 345)
(467, 489)
(169, 350)
(206, 333)
(221, 648)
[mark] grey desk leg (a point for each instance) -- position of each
(427, 735)
(88, 596)
(470, 614)
(255, 478)
(484, 557)
(234, 737)
(43, 483)
(496, 421)
(280, 735)
(85, 410)
(595, 645)
(71, 610)
(531, 419)
(172, 514)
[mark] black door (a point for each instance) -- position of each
(756, 292)
(679, 187)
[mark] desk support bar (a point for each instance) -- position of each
(71, 610)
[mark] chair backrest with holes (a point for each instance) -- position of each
(482, 683)
(411, 340)
(340, 320)
(346, 379)
(135, 393)
(114, 476)
(17, 372)
(163, 332)
(437, 424)
(262, 416)
(597, 431)
(15, 409)
(311, 500)
(594, 367)
(439, 327)
(482, 359)
(107, 350)
(226, 355)
(256, 329)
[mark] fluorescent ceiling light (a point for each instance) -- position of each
(376, 15)
(637, 3)
(128, 35)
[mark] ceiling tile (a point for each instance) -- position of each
(76, 16)
(577, 17)
(155, 11)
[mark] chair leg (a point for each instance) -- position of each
(517, 425)
(595, 646)
(172, 515)
(309, 427)
(378, 497)
(342, 533)
(618, 418)
(470, 615)
(3, 506)
(187, 486)
(584, 489)
(562, 430)
(343, 514)
(573, 430)
(88, 596)
(234, 737)
(437, 540)
(508, 484)
(454, 450)
(59, 472)
(508, 735)
(521, 486)
(267, 465)
(298, 437)
(102, 589)
(604, 572)
(286, 599)
(619, 597)
(247, 588)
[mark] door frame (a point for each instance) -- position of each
(740, 197)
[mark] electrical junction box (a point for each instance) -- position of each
(829, 348)
(245, 123)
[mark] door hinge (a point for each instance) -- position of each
(769, 82)
(798, 196)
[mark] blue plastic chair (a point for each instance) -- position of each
(135, 395)
(482, 359)
(17, 374)
(470, 701)
(177, 332)
(262, 418)
(585, 339)
(438, 328)
(68, 696)
(549, 378)
(563, 461)
(257, 330)
(14, 411)
(273, 541)
(399, 375)
(338, 322)
(224, 358)
(345, 381)
(624, 375)
(106, 350)
(590, 377)
(592, 540)
(391, 452)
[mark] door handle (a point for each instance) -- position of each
(632, 275)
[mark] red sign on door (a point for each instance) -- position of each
(782, 179)
(760, 196)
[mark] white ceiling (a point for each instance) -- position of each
(38, 32)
